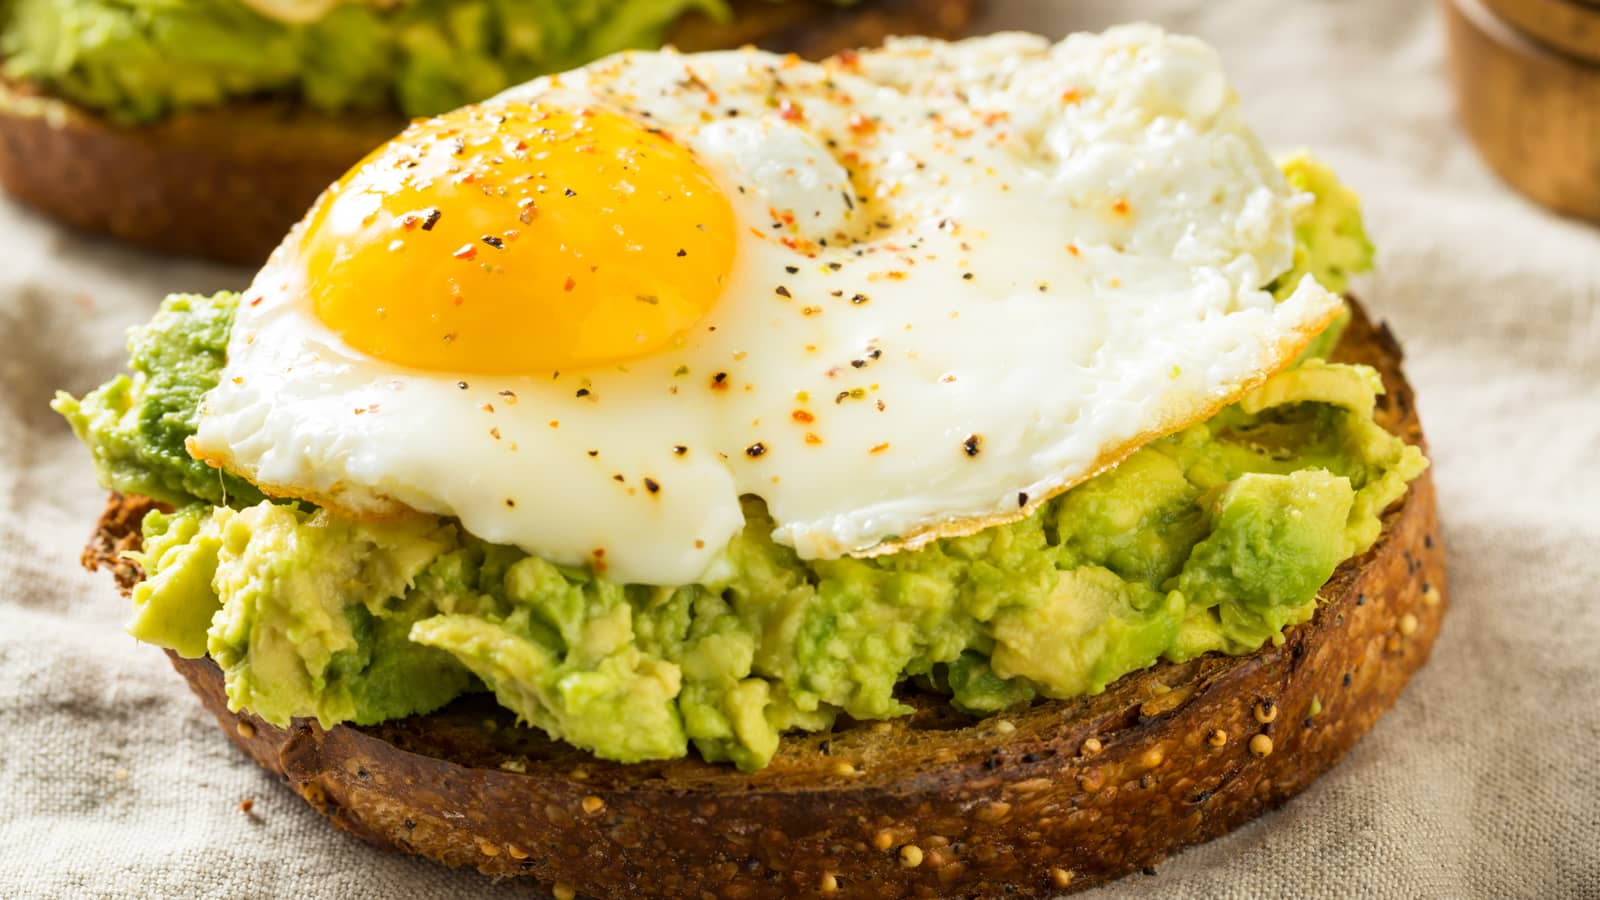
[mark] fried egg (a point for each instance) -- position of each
(900, 294)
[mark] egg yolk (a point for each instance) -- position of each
(515, 239)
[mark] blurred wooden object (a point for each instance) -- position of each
(1527, 74)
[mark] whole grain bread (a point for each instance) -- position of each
(1058, 796)
(226, 183)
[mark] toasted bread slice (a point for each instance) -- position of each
(1059, 795)
(226, 183)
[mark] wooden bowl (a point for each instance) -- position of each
(1527, 74)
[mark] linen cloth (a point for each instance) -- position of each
(1484, 781)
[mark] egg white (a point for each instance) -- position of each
(1048, 255)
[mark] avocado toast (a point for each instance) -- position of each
(1174, 614)
(207, 127)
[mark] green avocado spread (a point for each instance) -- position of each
(1212, 539)
(137, 60)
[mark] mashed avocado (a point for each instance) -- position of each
(137, 60)
(1213, 539)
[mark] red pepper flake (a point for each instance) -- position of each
(487, 407)
(652, 486)
(256, 301)
(527, 210)
(790, 111)
(801, 415)
(848, 58)
(756, 450)
(811, 438)
(555, 423)
(1073, 249)
(1120, 207)
(467, 251)
(879, 448)
(494, 433)
(570, 284)
(973, 444)
(1071, 96)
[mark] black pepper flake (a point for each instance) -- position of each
(594, 453)
(410, 825)
(791, 269)
(972, 444)
(1347, 679)
(783, 291)
(1022, 498)
(836, 266)
(652, 486)
(583, 392)
(1361, 599)
(756, 450)
(618, 477)
(679, 450)
(431, 219)
(510, 502)
(682, 253)
(570, 192)
(858, 299)
(858, 363)
(462, 385)
(966, 276)
(493, 241)
(719, 380)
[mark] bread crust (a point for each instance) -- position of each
(226, 183)
(1060, 796)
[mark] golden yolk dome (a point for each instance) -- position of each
(514, 239)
